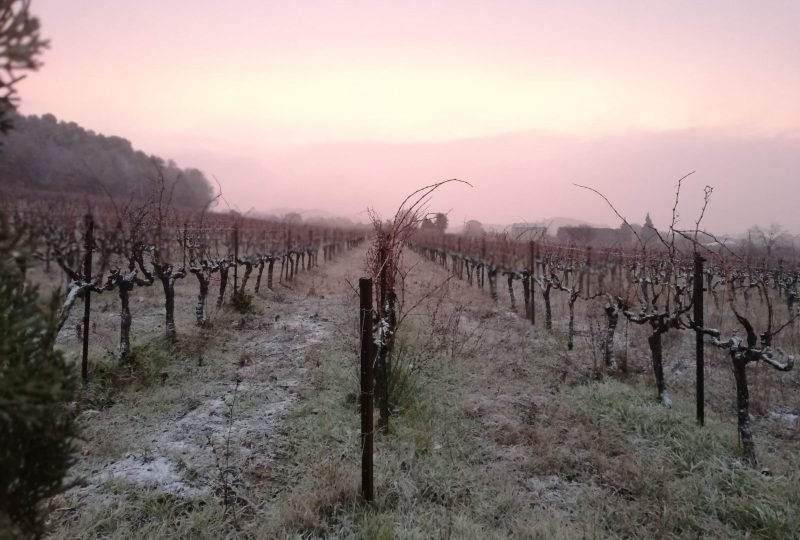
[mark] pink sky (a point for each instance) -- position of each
(344, 105)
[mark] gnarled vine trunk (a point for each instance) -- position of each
(168, 276)
(169, 307)
(270, 267)
(123, 289)
(612, 319)
(743, 410)
(224, 267)
(204, 280)
(248, 269)
(492, 274)
(548, 311)
(657, 355)
(261, 263)
(526, 293)
(510, 276)
(573, 297)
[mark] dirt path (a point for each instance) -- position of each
(218, 421)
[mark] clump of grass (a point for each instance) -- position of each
(653, 426)
(404, 380)
(331, 489)
(245, 358)
(686, 479)
(376, 526)
(242, 302)
(139, 512)
(108, 378)
(150, 359)
(280, 297)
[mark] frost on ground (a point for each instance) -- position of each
(160, 473)
(226, 425)
(786, 420)
(554, 490)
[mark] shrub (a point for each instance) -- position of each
(36, 429)
(242, 301)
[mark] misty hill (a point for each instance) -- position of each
(314, 216)
(556, 223)
(43, 153)
(552, 225)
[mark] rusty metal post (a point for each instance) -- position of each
(184, 241)
(87, 299)
(589, 271)
(235, 258)
(457, 263)
(367, 388)
(699, 352)
(282, 275)
(526, 292)
(310, 247)
(483, 260)
(532, 248)
(290, 264)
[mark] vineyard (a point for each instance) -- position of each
(173, 367)
(513, 381)
(742, 307)
(121, 250)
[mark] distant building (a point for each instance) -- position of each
(524, 232)
(474, 227)
(596, 236)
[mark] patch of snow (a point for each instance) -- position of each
(787, 420)
(197, 440)
(159, 473)
(549, 488)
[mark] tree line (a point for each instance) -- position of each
(43, 153)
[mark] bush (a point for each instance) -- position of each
(36, 429)
(242, 301)
(404, 380)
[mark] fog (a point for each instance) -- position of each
(530, 176)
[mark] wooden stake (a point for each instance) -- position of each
(87, 300)
(367, 388)
(699, 352)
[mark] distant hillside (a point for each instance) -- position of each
(313, 216)
(552, 225)
(556, 223)
(46, 154)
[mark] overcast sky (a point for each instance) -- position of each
(343, 105)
